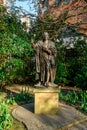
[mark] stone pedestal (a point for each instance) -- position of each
(46, 101)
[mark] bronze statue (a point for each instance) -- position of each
(46, 54)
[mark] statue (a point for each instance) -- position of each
(46, 54)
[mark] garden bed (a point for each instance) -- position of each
(14, 95)
(8, 101)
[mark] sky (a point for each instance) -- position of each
(26, 5)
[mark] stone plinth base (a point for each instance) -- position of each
(46, 101)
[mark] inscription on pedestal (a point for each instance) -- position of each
(46, 101)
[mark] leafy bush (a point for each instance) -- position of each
(5, 117)
(77, 98)
(62, 73)
(83, 101)
(71, 64)
(15, 50)
(14, 53)
(22, 97)
(81, 78)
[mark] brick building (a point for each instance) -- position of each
(77, 11)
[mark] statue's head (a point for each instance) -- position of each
(45, 36)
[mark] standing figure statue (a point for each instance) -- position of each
(46, 54)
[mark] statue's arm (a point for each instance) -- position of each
(47, 50)
(53, 49)
(36, 45)
(32, 43)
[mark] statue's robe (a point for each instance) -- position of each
(49, 54)
(45, 60)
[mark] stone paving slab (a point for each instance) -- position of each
(81, 126)
(68, 117)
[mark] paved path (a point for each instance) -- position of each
(81, 126)
(68, 117)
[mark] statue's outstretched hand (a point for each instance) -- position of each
(32, 41)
